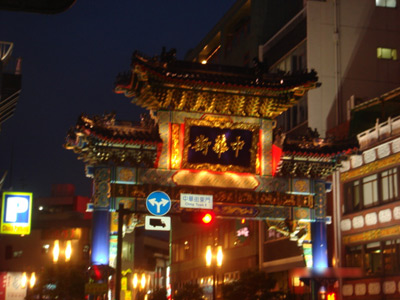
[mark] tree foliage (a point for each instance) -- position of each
(159, 294)
(189, 292)
(60, 282)
(252, 285)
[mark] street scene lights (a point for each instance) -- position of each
(24, 280)
(57, 250)
(28, 283)
(214, 259)
(139, 286)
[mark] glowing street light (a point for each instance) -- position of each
(68, 251)
(143, 281)
(208, 256)
(135, 281)
(24, 280)
(220, 256)
(214, 261)
(32, 280)
(56, 251)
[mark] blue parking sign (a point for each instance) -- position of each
(16, 213)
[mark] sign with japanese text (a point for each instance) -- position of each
(16, 213)
(11, 287)
(220, 146)
(196, 201)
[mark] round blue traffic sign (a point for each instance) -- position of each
(158, 203)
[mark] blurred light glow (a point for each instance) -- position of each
(143, 281)
(24, 280)
(32, 280)
(220, 256)
(68, 251)
(208, 256)
(56, 251)
(135, 281)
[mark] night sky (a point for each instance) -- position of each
(69, 65)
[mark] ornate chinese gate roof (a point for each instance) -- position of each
(167, 84)
(105, 140)
(310, 156)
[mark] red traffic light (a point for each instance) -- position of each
(199, 217)
(100, 272)
(207, 218)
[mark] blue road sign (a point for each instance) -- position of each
(158, 203)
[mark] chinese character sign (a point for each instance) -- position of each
(220, 147)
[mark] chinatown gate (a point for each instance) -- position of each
(209, 132)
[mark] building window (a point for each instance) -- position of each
(386, 53)
(373, 258)
(127, 251)
(391, 257)
(45, 248)
(389, 185)
(86, 252)
(294, 116)
(9, 252)
(183, 250)
(386, 3)
(377, 258)
(371, 190)
(354, 257)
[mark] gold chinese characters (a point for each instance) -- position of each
(202, 144)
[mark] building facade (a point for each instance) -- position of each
(368, 218)
(355, 54)
(57, 221)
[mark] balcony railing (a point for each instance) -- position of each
(380, 132)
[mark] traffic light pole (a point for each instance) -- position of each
(121, 213)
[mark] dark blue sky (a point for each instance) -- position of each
(69, 64)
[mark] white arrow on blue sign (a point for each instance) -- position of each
(158, 203)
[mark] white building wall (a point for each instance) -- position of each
(351, 66)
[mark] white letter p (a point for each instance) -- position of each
(15, 206)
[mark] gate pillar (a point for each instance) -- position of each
(101, 217)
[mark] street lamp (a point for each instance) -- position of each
(214, 260)
(28, 283)
(57, 250)
(139, 285)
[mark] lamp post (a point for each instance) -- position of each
(215, 260)
(57, 250)
(139, 285)
(28, 283)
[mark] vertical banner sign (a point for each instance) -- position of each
(16, 213)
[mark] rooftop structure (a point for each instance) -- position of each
(166, 84)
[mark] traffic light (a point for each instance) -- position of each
(100, 272)
(199, 217)
(331, 296)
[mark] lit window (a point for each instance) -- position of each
(389, 185)
(45, 248)
(386, 53)
(386, 3)
(370, 190)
